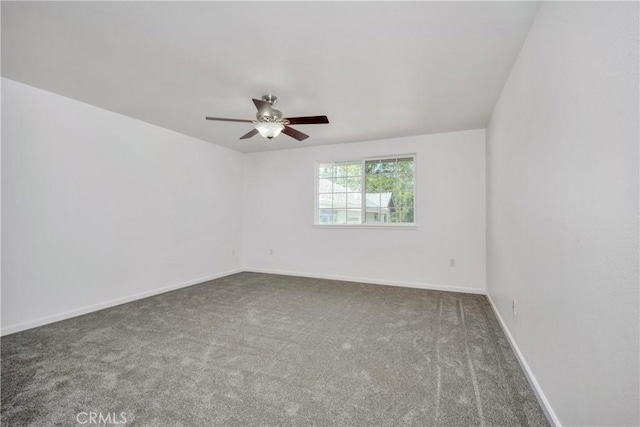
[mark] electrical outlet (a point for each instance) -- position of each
(452, 262)
(513, 306)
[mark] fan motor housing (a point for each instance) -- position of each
(274, 116)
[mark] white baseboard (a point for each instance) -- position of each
(95, 307)
(6, 330)
(371, 281)
(542, 399)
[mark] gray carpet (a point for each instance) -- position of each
(257, 349)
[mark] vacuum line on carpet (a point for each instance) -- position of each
(437, 334)
(471, 367)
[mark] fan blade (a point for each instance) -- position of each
(250, 134)
(312, 120)
(264, 108)
(294, 133)
(229, 120)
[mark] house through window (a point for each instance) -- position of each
(369, 191)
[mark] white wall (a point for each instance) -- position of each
(279, 215)
(99, 207)
(562, 199)
(0, 180)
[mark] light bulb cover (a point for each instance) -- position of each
(269, 129)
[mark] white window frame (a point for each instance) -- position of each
(380, 225)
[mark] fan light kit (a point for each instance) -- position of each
(269, 129)
(270, 123)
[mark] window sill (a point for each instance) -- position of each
(369, 226)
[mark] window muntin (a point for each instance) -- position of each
(386, 198)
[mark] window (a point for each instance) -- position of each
(366, 192)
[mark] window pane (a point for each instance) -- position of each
(405, 159)
(340, 216)
(387, 167)
(407, 215)
(354, 183)
(389, 185)
(354, 200)
(402, 215)
(380, 167)
(325, 170)
(325, 201)
(343, 169)
(354, 169)
(378, 182)
(340, 170)
(325, 185)
(340, 200)
(375, 183)
(325, 216)
(339, 185)
(373, 215)
(354, 216)
(373, 200)
(403, 197)
(332, 216)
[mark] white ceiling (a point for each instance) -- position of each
(376, 69)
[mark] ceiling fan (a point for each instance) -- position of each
(269, 121)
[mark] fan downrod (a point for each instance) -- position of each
(271, 99)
